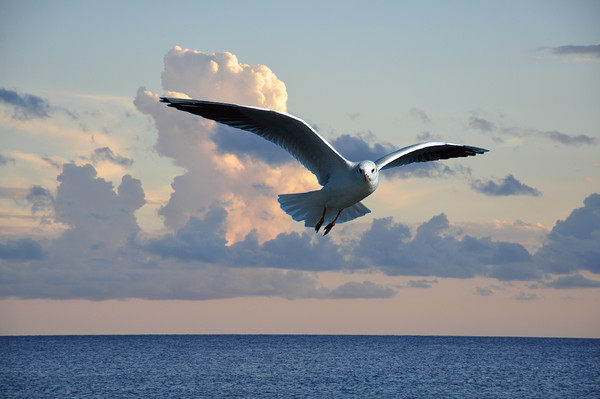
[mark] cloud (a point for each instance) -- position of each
(366, 289)
(107, 155)
(218, 158)
(563, 138)
(504, 187)
(437, 251)
(6, 160)
(573, 53)
(577, 53)
(221, 77)
(357, 148)
(103, 254)
(41, 199)
(191, 241)
(486, 126)
(420, 114)
(570, 49)
(25, 106)
(24, 249)
(481, 124)
(100, 221)
(573, 281)
(573, 243)
(483, 291)
(15, 193)
(525, 297)
(421, 283)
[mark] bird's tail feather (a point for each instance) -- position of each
(309, 207)
(353, 212)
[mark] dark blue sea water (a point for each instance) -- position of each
(297, 366)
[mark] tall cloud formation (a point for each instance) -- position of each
(209, 152)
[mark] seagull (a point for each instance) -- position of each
(345, 183)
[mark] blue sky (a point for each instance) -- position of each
(111, 200)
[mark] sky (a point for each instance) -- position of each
(119, 215)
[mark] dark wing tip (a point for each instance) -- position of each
(169, 101)
(477, 150)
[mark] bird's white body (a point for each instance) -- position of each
(342, 193)
(345, 183)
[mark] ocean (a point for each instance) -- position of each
(297, 366)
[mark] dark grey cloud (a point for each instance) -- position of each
(488, 127)
(580, 139)
(435, 251)
(571, 49)
(504, 187)
(365, 289)
(40, 199)
(573, 281)
(192, 242)
(106, 154)
(287, 251)
(357, 148)
(25, 106)
(574, 243)
(423, 283)
(24, 249)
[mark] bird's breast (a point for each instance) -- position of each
(345, 192)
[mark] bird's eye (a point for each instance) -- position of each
(372, 170)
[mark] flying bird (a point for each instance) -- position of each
(345, 183)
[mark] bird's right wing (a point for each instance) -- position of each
(425, 152)
(287, 131)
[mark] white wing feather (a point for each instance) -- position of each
(287, 131)
(425, 152)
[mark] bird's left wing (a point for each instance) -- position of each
(426, 152)
(287, 131)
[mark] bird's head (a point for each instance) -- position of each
(367, 170)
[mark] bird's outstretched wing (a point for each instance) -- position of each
(287, 131)
(426, 152)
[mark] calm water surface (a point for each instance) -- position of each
(297, 366)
